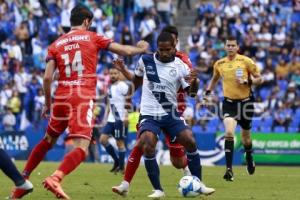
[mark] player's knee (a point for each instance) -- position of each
(103, 140)
(149, 148)
(229, 134)
(120, 144)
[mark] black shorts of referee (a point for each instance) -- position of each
(241, 110)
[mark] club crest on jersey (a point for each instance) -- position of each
(173, 72)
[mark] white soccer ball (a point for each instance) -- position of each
(190, 186)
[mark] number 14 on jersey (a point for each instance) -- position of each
(76, 63)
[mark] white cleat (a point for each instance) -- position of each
(186, 171)
(157, 194)
(122, 189)
(207, 190)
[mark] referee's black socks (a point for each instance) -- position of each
(229, 145)
(248, 149)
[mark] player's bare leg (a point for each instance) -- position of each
(70, 162)
(230, 125)
(247, 142)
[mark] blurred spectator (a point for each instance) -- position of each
(195, 40)
(9, 120)
(282, 116)
(14, 103)
(39, 102)
(163, 8)
(33, 91)
(5, 94)
(259, 107)
(15, 51)
(21, 79)
(147, 29)
(127, 39)
(282, 69)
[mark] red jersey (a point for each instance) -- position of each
(181, 93)
(76, 56)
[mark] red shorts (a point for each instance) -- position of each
(73, 112)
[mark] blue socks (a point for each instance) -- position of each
(121, 158)
(153, 171)
(194, 163)
(9, 169)
(111, 151)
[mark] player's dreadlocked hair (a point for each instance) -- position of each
(165, 37)
(79, 13)
(170, 29)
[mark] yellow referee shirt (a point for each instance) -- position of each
(229, 70)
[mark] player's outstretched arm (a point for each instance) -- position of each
(137, 81)
(48, 76)
(120, 65)
(127, 50)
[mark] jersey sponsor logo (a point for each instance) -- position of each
(156, 86)
(73, 39)
(75, 82)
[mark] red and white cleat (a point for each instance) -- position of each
(52, 184)
(20, 191)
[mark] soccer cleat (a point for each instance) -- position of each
(121, 171)
(228, 176)
(122, 189)
(250, 164)
(207, 190)
(52, 184)
(115, 168)
(20, 191)
(157, 194)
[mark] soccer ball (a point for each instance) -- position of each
(190, 186)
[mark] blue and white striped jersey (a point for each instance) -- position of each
(161, 82)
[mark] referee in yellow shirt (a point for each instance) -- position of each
(238, 73)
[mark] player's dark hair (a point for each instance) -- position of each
(232, 38)
(170, 29)
(80, 13)
(165, 37)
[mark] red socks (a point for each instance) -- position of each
(72, 160)
(133, 163)
(36, 156)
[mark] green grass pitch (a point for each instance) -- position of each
(94, 182)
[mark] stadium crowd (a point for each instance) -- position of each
(268, 31)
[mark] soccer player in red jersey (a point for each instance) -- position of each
(74, 55)
(177, 152)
